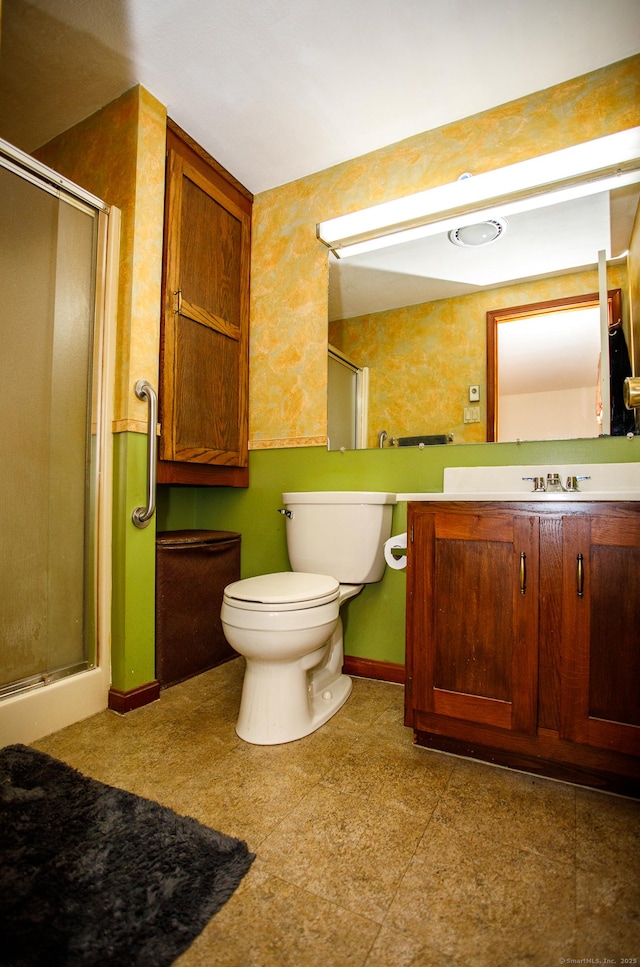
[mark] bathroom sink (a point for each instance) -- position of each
(604, 481)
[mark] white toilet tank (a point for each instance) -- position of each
(339, 533)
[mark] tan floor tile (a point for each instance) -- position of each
(389, 726)
(250, 790)
(367, 702)
(135, 754)
(313, 756)
(400, 776)
(486, 904)
(608, 876)
(393, 949)
(608, 829)
(356, 850)
(513, 808)
(93, 744)
(608, 915)
(273, 924)
(186, 733)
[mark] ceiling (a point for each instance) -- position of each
(278, 89)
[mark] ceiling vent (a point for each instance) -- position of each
(482, 233)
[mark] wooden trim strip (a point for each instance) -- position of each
(282, 444)
(131, 426)
(381, 671)
(210, 320)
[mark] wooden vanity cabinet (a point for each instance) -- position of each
(523, 636)
(204, 343)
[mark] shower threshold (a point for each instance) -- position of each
(42, 679)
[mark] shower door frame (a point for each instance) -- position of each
(31, 714)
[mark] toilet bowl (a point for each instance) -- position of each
(287, 624)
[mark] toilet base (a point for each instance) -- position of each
(280, 708)
(285, 700)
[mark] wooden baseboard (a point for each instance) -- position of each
(382, 671)
(122, 702)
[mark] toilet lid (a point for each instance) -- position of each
(283, 591)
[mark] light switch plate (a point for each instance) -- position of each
(474, 394)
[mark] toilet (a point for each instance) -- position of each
(287, 625)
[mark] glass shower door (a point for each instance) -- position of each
(47, 279)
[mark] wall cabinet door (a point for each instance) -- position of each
(205, 325)
(600, 673)
(473, 617)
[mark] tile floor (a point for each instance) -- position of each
(371, 851)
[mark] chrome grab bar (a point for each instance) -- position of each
(145, 391)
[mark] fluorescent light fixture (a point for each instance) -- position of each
(599, 165)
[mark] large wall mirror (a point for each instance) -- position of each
(414, 313)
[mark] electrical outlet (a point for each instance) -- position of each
(474, 394)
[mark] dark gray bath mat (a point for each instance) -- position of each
(93, 875)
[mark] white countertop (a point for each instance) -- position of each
(522, 495)
(596, 481)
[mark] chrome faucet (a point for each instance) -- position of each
(553, 484)
(382, 436)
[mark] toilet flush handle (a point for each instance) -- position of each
(287, 513)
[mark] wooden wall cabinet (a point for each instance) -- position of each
(204, 344)
(523, 636)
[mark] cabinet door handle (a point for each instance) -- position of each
(523, 572)
(580, 576)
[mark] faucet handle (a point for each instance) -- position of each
(572, 482)
(538, 483)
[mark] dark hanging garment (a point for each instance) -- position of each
(622, 419)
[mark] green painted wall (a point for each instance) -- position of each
(374, 621)
(133, 607)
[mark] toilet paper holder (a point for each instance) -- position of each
(395, 551)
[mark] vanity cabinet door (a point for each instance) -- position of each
(600, 673)
(472, 616)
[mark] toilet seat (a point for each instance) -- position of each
(282, 591)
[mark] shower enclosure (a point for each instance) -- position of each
(56, 260)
